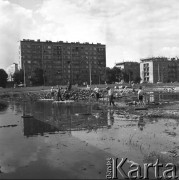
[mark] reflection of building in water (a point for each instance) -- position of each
(33, 126)
(65, 117)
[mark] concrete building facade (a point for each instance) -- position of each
(132, 69)
(63, 61)
(159, 69)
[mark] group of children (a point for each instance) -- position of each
(110, 91)
(59, 94)
(110, 95)
(140, 95)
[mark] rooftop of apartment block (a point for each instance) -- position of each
(154, 59)
(126, 62)
(60, 42)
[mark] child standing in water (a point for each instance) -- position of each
(141, 96)
(52, 93)
(111, 96)
(96, 89)
(59, 95)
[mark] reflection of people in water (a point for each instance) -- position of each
(110, 118)
(141, 123)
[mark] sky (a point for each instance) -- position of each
(130, 29)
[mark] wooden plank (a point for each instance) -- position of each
(45, 100)
(140, 108)
(67, 101)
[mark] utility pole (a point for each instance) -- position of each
(71, 75)
(24, 75)
(158, 73)
(99, 80)
(129, 77)
(90, 71)
(43, 64)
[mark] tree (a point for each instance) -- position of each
(18, 77)
(102, 74)
(137, 79)
(127, 75)
(116, 74)
(113, 74)
(3, 78)
(108, 75)
(37, 77)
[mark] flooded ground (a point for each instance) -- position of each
(72, 141)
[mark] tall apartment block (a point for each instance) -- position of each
(159, 69)
(63, 61)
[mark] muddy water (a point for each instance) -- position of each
(47, 140)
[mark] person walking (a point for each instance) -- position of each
(96, 89)
(111, 96)
(52, 93)
(59, 95)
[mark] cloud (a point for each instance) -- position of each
(14, 22)
(130, 29)
(71, 22)
(169, 51)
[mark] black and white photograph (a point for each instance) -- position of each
(89, 89)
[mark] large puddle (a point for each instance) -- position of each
(74, 140)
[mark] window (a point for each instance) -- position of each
(146, 65)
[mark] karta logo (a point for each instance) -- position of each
(116, 169)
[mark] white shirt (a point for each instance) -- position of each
(96, 90)
(110, 92)
(140, 92)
